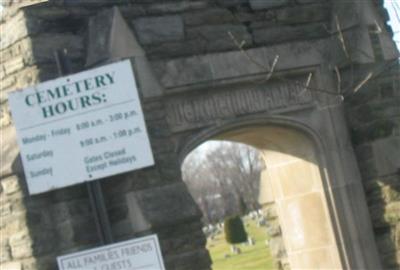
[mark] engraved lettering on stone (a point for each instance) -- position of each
(222, 104)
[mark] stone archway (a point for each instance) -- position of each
(298, 181)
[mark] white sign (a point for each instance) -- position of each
(138, 254)
(80, 128)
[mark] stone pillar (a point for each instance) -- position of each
(302, 210)
(373, 119)
(274, 231)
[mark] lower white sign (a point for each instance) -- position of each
(138, 254)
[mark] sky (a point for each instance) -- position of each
(393, 7)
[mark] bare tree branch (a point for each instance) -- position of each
(339, 80)
(341, 37)
(363, 82)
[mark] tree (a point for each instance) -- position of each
(224, 175)
(235, 232)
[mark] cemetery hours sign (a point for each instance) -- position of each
(138, 254)
(80, 127)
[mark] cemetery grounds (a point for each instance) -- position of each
(252, 257)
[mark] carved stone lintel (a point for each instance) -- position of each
(185, 112)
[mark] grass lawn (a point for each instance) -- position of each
(255, 257)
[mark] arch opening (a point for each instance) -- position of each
(292, 186)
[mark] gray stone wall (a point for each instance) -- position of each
(374, 117)
(166, 30)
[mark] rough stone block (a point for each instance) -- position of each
(279, 34)
(391, 261)
(13, 223)
(7, 83)
(218, 38)
(10, 184)
(367, 169)
(391, 193)
(16, 30)
(158, 128)
(208, 16)
(2, 72)
(5, 117)
(385, 243)
(5, 209)
(309, 1)
(76, 232)
(118, 213)
(200, 258)
(159, 29)
(45, 43)
(392, 213)
(5, 252)
(21, 245)
(39, 219)
(123, 230)
(176, 72)
(175, 7)
(236, 63)
(24, 78)
(69, 210)
(6, 54)
(13, 65)
(244, 16)
(376, 213)
(17, 205)
(94, 3)
(303, 14)
(363, 151)
(267, 4)
(11, 266)
(184, 237)
(154, 114)
(176, 49)
(374, 131)
(386, 155)
(152, 205)
(162, 146)
(232, 3)
(10, 163)
(48, 12)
